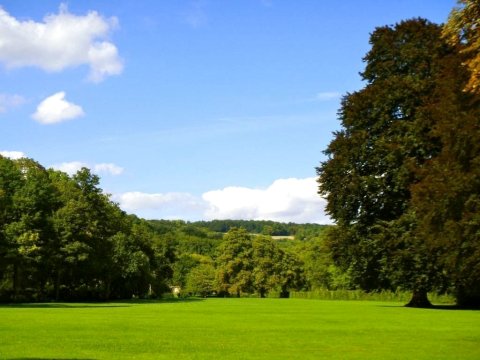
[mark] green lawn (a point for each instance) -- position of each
(237, 329)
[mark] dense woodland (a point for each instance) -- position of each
(401, 178)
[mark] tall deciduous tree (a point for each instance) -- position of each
(201, 279)
(373, 161)
(29, 229)
(447, 199)
(10, 182)
(235, 263)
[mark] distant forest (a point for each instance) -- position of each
(265, 227)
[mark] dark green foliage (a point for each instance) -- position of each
(182, 268)
(264, 227)
(373, 160)
(62, 238)
(401, 178)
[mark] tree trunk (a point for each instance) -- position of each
(284, 294)
(107, 287)
(419, 299)
(56, 285)
(16, 280)
(106, 294)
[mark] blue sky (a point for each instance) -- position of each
(188, 109)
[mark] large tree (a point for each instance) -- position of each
(249, 263)
(235, 263)
(28, 229)
(374, 160)
(447, 199)
(10, 183)
(201, 280)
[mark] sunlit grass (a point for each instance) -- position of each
(237, 329)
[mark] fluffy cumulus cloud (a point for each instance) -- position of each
(55, 109)
(173, 205)
(70, 167)
(60, 41)
(8, 101)
(103, 168)
(136, 200)
(14, 155)
(108, 168)
(285, 200)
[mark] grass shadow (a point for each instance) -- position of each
(38, 358)
(59, 305)
(158, 301)
(454, 307)
(107, 304)
(435, 307)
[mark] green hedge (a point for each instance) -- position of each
(398, 296)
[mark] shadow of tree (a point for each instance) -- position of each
(108, 304)
(435, 307)
(60, 305)
(38, 358)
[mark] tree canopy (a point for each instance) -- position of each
(394, 131)
(61, 237)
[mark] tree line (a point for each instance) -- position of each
(63, 238)
(266, 227)
(402, 176)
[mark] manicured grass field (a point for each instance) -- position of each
(237, 329)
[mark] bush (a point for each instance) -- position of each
(398, 296)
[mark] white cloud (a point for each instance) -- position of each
(140, 201)
(70, 167)
(285, 200)
(8, 101)
(328, 95)
(108, 168)
(172, 205)
(14, 155)
(60, 41)
(55, 109)
(73, 166)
